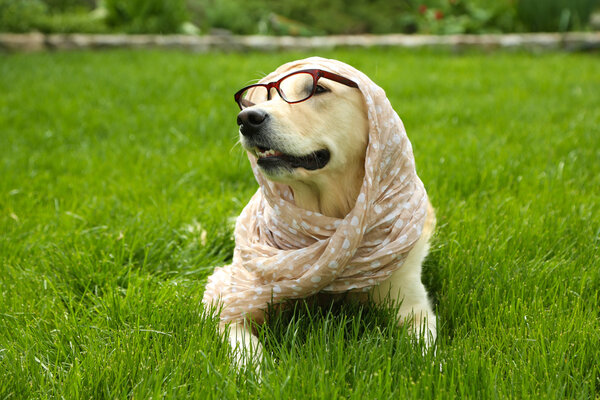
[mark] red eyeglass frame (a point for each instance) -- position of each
(316, 74)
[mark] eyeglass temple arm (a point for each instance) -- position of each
(338, 78)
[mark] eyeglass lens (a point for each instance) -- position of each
(293, 88)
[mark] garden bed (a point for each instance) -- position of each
(582, 41)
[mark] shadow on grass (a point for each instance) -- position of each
(302, 329)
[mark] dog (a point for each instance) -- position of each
(310, 132)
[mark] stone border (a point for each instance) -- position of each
(580, 41)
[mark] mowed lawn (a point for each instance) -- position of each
(120, 172)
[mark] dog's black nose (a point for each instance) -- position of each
(251, 121)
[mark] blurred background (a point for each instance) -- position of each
(298, 18)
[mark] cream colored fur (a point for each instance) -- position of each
(337, 121)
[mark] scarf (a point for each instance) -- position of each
(285, 252)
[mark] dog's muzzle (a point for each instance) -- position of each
(253, 125)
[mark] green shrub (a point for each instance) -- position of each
(66, 5)
(20, 15)
(146, 16)
(314, 17)
(237, 16)
(354, 16)
(71, 22)
(555, 15)
(462, 16)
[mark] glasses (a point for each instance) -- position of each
(301, 88)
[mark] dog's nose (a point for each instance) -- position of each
(251, 120)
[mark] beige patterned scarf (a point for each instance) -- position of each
(285, 252)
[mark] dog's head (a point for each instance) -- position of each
(303, 124)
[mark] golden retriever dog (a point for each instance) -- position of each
(311, 135)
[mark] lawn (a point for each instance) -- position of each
(120, 172)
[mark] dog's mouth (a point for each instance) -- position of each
(270, 159)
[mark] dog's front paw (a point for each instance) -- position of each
(423, 326)
(247, 349)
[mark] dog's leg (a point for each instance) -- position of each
(405, 286)
(246, 347)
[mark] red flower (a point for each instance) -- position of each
(422, 9)
(439, 15)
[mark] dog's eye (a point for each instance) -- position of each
(321, 89)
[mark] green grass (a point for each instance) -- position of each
(113, 163)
